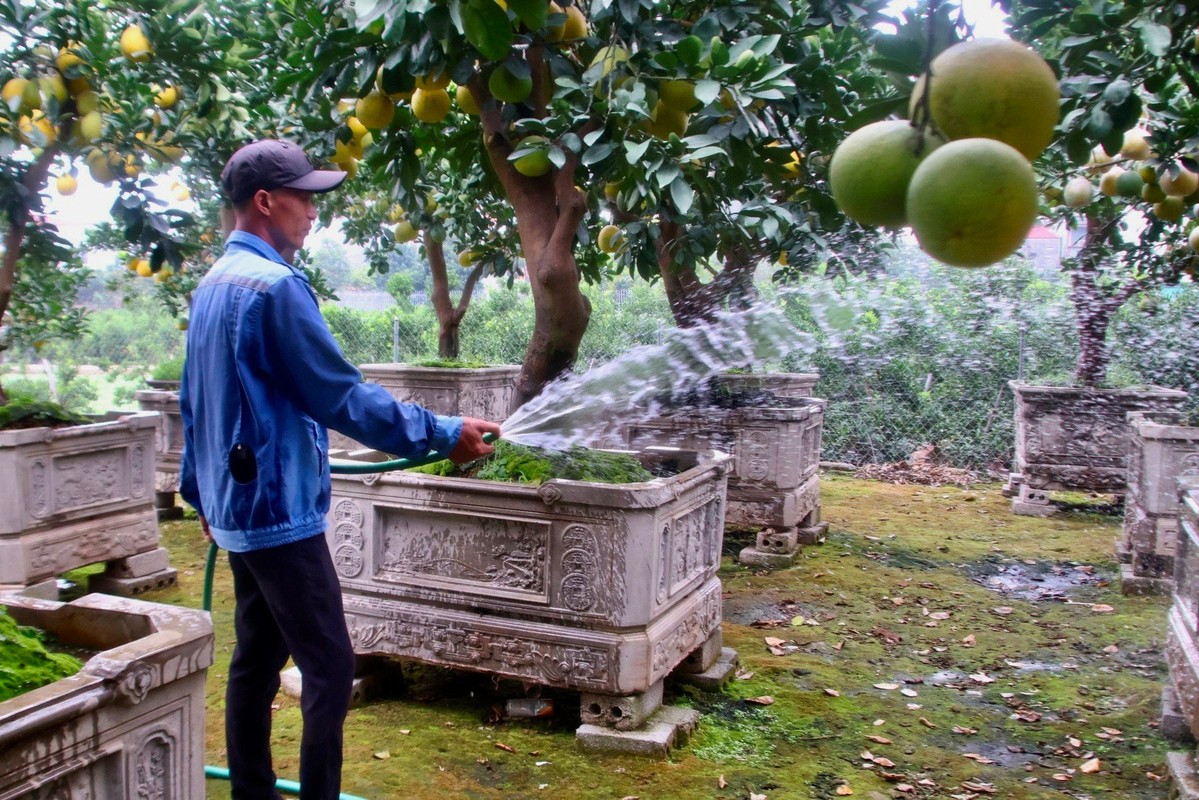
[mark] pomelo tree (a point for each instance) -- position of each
(118, 91)
(680, 124)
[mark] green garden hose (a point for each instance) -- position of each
(340, 467)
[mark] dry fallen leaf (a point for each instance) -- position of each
(1027, 715)
(405, 731)
(844, 790)
(763, 700)
(756, 796)
(382, 754)
(979, 757)
(1003, 611)
(964, 731)
(1102, 608)
(940, 615)
(909, 692)
(774, 641)
(1074, 742)
(926, 723)
(504, 747)
(1089, 767)
(832, 692)
(886, 686)
(742, 675)
(722, 783)
(878, 739)
(968, 641)
(982, 677)
(1111, 649)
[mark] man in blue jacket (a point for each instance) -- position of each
(262, 382)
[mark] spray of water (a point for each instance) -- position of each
(584, 408)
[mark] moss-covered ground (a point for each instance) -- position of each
(934, 646)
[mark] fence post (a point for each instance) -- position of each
(1020, 360)
(395, 340)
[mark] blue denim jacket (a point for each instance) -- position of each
(262, 382)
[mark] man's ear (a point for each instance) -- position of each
(262, 202)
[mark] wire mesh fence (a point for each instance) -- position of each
(927, 373)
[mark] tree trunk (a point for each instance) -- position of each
(449, 316)
(548, 212)
(14, 237)
(1094, 306)
(692, 302)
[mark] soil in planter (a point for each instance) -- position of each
(515, 463)
(715, 394)
(25, 412)
(28, 660)
(451, 363)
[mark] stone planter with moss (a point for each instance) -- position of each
(1075, 439)
(168, 448)
(774, 487)
(1164, 448)
(1180, 697)
(602, 588)
(81, 494)
(129, 723)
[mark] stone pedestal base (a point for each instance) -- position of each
(753, 557)
(1131, 583)
(1173, 724)
(376, 677)
(135, 574)
(814, 534)
(620, 712)
(164, 505)
(716, 676)
(670, 727)
(1123, 553)
(1183, 779)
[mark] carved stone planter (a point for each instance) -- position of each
(130, 724)
(483, 392)
(168, 449)
(1162, 451)
(80, 495)
(774, 485)
(780, 384)
(1180, 698)
(603, 589)
(1068, 438)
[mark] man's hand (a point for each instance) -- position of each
(204, 529)
(470, 444)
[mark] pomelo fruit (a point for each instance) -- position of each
(1078, 193)
(430, 105)
(1178, 181)
(506, 87)
(972, 202)
(1129, 184)
(376, 110)
(135, 45)
(993, 88)
(871, 169)
(610, 239)
(466, 101)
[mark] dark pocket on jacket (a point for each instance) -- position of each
(242, 465)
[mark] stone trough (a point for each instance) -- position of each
(82, 494)
(602, 589)
(168, 448)
(130, 723)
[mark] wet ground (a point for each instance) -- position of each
(936, 646)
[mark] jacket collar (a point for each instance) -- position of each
(243, 240)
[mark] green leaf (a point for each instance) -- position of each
(707, 90)
(596, 153)
(487, 28)
(634, 151)
(682, 195)
(531, 12)
(1156, 37)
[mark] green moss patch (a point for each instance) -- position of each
(25, 661)
(25, 412)
(515, 463)
(451, 363)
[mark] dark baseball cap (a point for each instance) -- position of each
(273, 164)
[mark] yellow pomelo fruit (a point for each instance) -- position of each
(1180, 183)
(53, 86)
(86, 102)
(405, 231)
(871, 169)
(1110, 182)
(667, 120)
(993, 88)
(67, 58)
(536, 163)
(1148, 174)
(466, 101)
(99, 167)
(678, 94)
(611, 190)
(78, 85)
(508, 88)
(434, 80)
(467, 257)
(131, 166)
(357, 129)
(376, 110)
(1193, 238)
(135, 45)
(430, 105)
(1152, 193)
(183, 194)
(89, 127)
(66, 185)
(1078, 192)
(972, 202)
(554, 33)
(167, 97)
(1169, 209)
(576, 24)
(610, 239)
(609, 57)
(13, 88)
(182, 324)
(143, 268)
(1135, 146)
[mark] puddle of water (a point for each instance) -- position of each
(1039, 581)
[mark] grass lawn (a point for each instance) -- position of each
(935, 646)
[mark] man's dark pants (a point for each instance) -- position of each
(288, 602)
